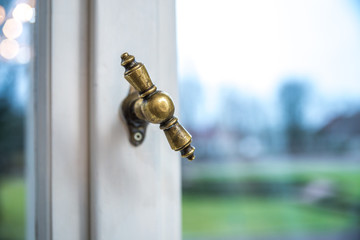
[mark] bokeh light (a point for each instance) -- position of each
(23, 12)
(2, 14)
(12, 28)
(32, 3)
(24, 55)
(9, 48)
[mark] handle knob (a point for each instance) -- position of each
(145, 104)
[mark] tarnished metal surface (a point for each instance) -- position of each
(146, 104)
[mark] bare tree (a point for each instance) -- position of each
(292, 96)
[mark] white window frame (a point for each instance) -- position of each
(77, 144)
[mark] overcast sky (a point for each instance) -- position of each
(255, 45)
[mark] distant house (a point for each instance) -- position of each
(217, 143)
(340, 134)
(210, 143)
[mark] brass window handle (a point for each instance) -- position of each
(145, 104)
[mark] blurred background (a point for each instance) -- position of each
(270, 91)
(16, 58)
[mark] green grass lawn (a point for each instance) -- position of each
(246, 215)
(12, 209)
(238, 216)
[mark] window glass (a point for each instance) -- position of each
(16, 57)
(270, 91)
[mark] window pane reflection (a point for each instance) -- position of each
(16, 54)
(270, 92)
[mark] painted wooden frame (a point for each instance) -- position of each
(85, 180)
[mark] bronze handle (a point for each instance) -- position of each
(145, 104)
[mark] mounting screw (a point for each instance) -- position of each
(138, 136)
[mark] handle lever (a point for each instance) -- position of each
(145, 104)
